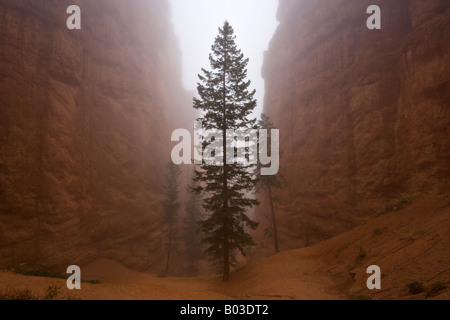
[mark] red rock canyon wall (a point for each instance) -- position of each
(364, 115)
(85, 123)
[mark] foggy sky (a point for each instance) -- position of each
(196, 24)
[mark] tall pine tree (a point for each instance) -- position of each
(226, 104)
(190, 230)
(267, 183)
(171, 207)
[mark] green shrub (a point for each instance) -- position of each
(416, 287)
(14, 294)
(436, 288)
(401, 201)
(361, 254)
(45, 274)
(94, 281)
(378, 231)
(49, 274)
(361, 297)
(51, 293)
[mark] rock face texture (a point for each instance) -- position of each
(85, 123)
(364, 115)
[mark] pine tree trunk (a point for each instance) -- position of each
(169, 248)
(275, 235)
(226, 262)
(226, 249)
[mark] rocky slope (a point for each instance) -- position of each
(363, 114)
(85, 123)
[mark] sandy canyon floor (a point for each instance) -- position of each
(410, 244)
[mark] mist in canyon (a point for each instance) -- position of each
(196, 24)
(86, 118)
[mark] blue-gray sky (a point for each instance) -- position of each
(196, 24)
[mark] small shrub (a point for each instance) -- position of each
(14, 294)
(94, 281)
(361, 297)
(401, 201)
(436, 288)
(361, 254)
(36, 273)
(416, 287)
(51, 293)
(378, 231)
(44, 274)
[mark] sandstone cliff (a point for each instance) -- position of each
(364, 115)
(85, 123)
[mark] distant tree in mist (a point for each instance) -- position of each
(226, 104)
(171, 208)
(267, 183)
(191, 236)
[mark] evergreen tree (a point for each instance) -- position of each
(190, 230)
(266, 183)
(226, 104)
(171, 207)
